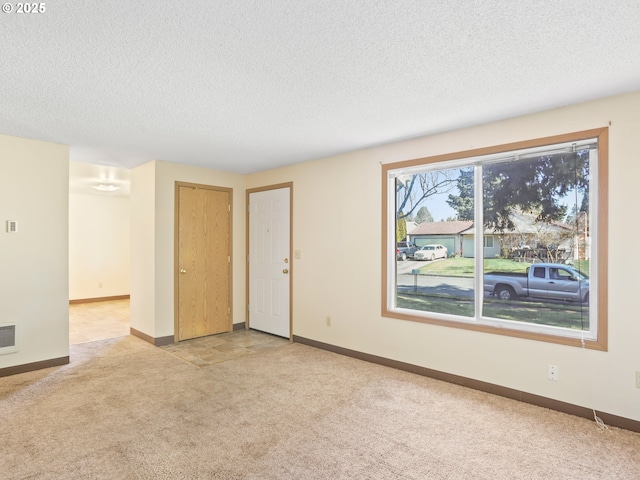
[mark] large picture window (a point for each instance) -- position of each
(509, 239)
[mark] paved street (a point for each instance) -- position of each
(455, 286)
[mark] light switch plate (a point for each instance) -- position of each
(12, 226)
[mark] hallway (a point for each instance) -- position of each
(93, 321)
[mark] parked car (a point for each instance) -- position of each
(405, 250)
(542, 280)
(431, 252)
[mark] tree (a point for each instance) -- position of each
(535, 184)
(572, 215)
(463, 203)
(401, 229)
(413, 190)
(556, 239)
(423, 215)
(578, 220)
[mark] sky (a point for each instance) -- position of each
(438, 207)
(437, 203)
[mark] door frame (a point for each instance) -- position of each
(249, 191)
(176, 252)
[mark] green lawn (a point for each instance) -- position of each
(429, 303)
(463, 267)
(572, 316)
(583, 266)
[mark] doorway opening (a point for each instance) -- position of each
(91, 321)
(99, 252)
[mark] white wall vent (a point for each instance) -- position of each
(8, 343)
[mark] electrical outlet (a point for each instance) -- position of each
(637, 378)
(328, 321)
(100, 285)
(553, 372)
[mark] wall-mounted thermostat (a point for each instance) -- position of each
(12, 226)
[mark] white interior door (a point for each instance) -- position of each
(269, 261)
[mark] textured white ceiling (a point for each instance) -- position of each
(246, 85)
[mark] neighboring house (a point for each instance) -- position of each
(491, 243)
(528, 240)
(522, 241)
(443, 233)
(411, 225)
(457, 236)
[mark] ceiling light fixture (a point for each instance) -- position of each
(106, 187)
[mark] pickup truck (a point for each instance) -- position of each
(405, 250)
(542, 280)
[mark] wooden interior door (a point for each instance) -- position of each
(203, 261)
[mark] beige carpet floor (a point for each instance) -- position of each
(124, 409)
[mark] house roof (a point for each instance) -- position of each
(246, 86)
(441, 228)
(524, 223)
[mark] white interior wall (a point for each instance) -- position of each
(339, 198)
(34, 285)
(143, 268)
(99, 243)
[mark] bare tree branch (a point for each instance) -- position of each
(429, 184)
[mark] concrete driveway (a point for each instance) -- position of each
(408, 265)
